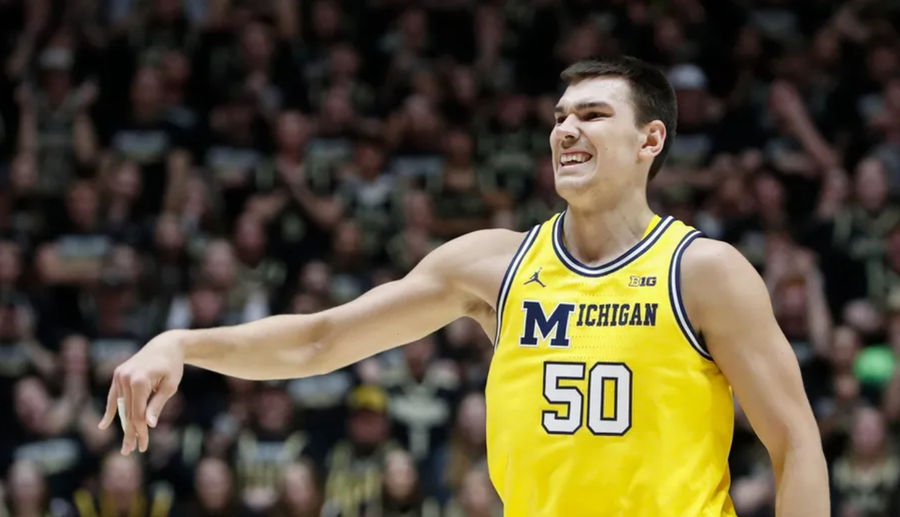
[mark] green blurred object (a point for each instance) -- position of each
(874, 365)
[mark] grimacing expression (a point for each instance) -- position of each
(595, 139)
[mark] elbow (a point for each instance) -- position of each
(317, 357)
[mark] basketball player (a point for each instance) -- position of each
(619, 335)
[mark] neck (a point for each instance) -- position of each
(597, 234)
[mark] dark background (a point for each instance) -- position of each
(190, 163)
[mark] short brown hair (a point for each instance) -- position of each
(651, 94)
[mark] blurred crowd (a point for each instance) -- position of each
(191, 163)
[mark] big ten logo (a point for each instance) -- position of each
(641, 281)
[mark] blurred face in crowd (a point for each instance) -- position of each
(368, 428)
(207, 306)
(347, 240)
(882, 62)
(26, 485)
(299, 490)
(124, 261)
(125, 183)
(256, 43)
(326, 19)
(315, 277)
(168, 236)
(369, 159)
(598, 150)
(292, 131)
(343, 61)
(871, 184)
(120, 476)
(213, 484)
(306, 303)
(845, 344)
(146, 91)
(476, 494)
(414, 27)
(9, 326)
(10, 263)
(167, 9)
(400, 475)
(250, 239)
(846, 389)
(75, 357)
(337, 110)
(868, 435)
(791, 304)
(464, 86)
(418, 355)
(23, 173)
(472, 418)
(769, 193)
(274, 410)
(176, 70)
(459, 148)
(82, 204)
(32, 403)
(219, 266)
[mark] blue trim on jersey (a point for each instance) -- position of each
(675, 296)
(510, 274)
(621, 261)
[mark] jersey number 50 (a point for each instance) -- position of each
(608, 398)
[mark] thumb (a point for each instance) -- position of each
(164, 392)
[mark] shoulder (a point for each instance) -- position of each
(475, 247)
(714, 257)
(717, 279)
(473, 265)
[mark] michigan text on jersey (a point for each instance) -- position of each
(555, 324)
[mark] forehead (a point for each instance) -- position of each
(611, 90)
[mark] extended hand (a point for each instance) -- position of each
(156, 368)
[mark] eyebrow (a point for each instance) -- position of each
(583, 105)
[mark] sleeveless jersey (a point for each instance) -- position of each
(601, 398)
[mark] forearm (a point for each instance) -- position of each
(802, 481)
(277, 347)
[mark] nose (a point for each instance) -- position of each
(568, 130)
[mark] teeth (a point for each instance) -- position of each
(574, 158)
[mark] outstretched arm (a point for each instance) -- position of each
(448, 284)
(728, 302)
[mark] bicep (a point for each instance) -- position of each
(392, 314)
(736, 319)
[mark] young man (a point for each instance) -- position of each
(618, 333)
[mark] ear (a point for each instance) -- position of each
(654, 138)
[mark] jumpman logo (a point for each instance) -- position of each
(535, 278)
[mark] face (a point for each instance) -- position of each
(10, 263)
(120, 475)
(868, 433)
(25, 483)
(213, 483)
(871, 184)
(472, 417)
(400, 475)
(598, 150)
(299, 487)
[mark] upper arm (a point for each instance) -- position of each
(728, 301)
(460, 278)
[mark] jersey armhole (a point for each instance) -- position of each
(676, 300)
(508, 276)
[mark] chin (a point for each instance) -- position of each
(570, 186)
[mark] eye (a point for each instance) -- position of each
(594, 115)
(560, 119)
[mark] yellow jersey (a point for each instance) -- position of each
(601, 398)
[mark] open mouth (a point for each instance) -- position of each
(573, 158)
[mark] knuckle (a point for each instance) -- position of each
(140, 381)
